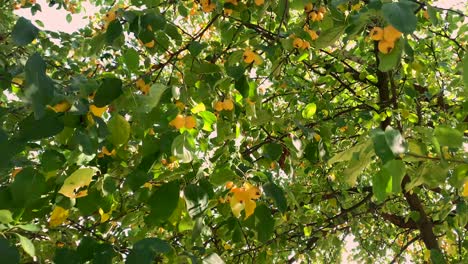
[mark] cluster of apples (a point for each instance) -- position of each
(207, 6)
(299, 43)
(142, 86)
(386, 37)
(228, 11)
(226, 104)
(181, 121)
(17, 6)
(315, 15)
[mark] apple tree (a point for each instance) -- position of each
(235, 131)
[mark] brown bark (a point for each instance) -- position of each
(382, 85)
(424, 223)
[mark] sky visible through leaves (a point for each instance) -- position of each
(55, 20)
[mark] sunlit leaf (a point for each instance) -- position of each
(27, 245)
(58, 216)
(6, 216)
(79, 179)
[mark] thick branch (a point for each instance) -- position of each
(424, 224)
(382, 85)
(399, 221)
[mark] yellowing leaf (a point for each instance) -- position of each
(259, 2)
(18, 80)
(199, 108)
(148, 185)
(61, 107)
(243, 198)
(249, 208)
(258, 60)
(236, 207)
(105, 151)
(140, 83)
(79, 179)
(104, 216)
(97, 111)
(317, 137)
(15, 172)
(58, 216)
(150, 44)
(465, 189)
(145, 89)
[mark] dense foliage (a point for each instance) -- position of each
(237, 131)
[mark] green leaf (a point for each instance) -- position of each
(27, 245)
(309, 110)
(448, 136)
(145, 250)
(8, 253)
(433, 174)
(114, 30)
(460, 173)
(90, 203)
(78, 179)
(401, 15)
(392, 59)
(66, 256)
(357, 166)
(110, 89)
(264, 223)
(132, 59)
(395, 141)
(163, 202)
(213, 258)
(9, 149)
(329, 37)
(245, 89)
(380, 185)
(87, 248)
(195, 48)
(33, 129)
(183, 148)
(312, 152)
(465, 73)
(52, 160)
(156, 21)
(104, 253)
(437, 257)
(221, 176)
(208, 120)
(349, 153)
(24, 32)
(162, 41)
(196, 199)
(5, 217)
(272, 151)
(39, 87)
(27, 187)
(276, 193)
(397, 170)
(381, 148)
(205, 68)
(432, 12)
(388, 179)
(173, 32)
(146, 103)
(29, 227)
(119, 129)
